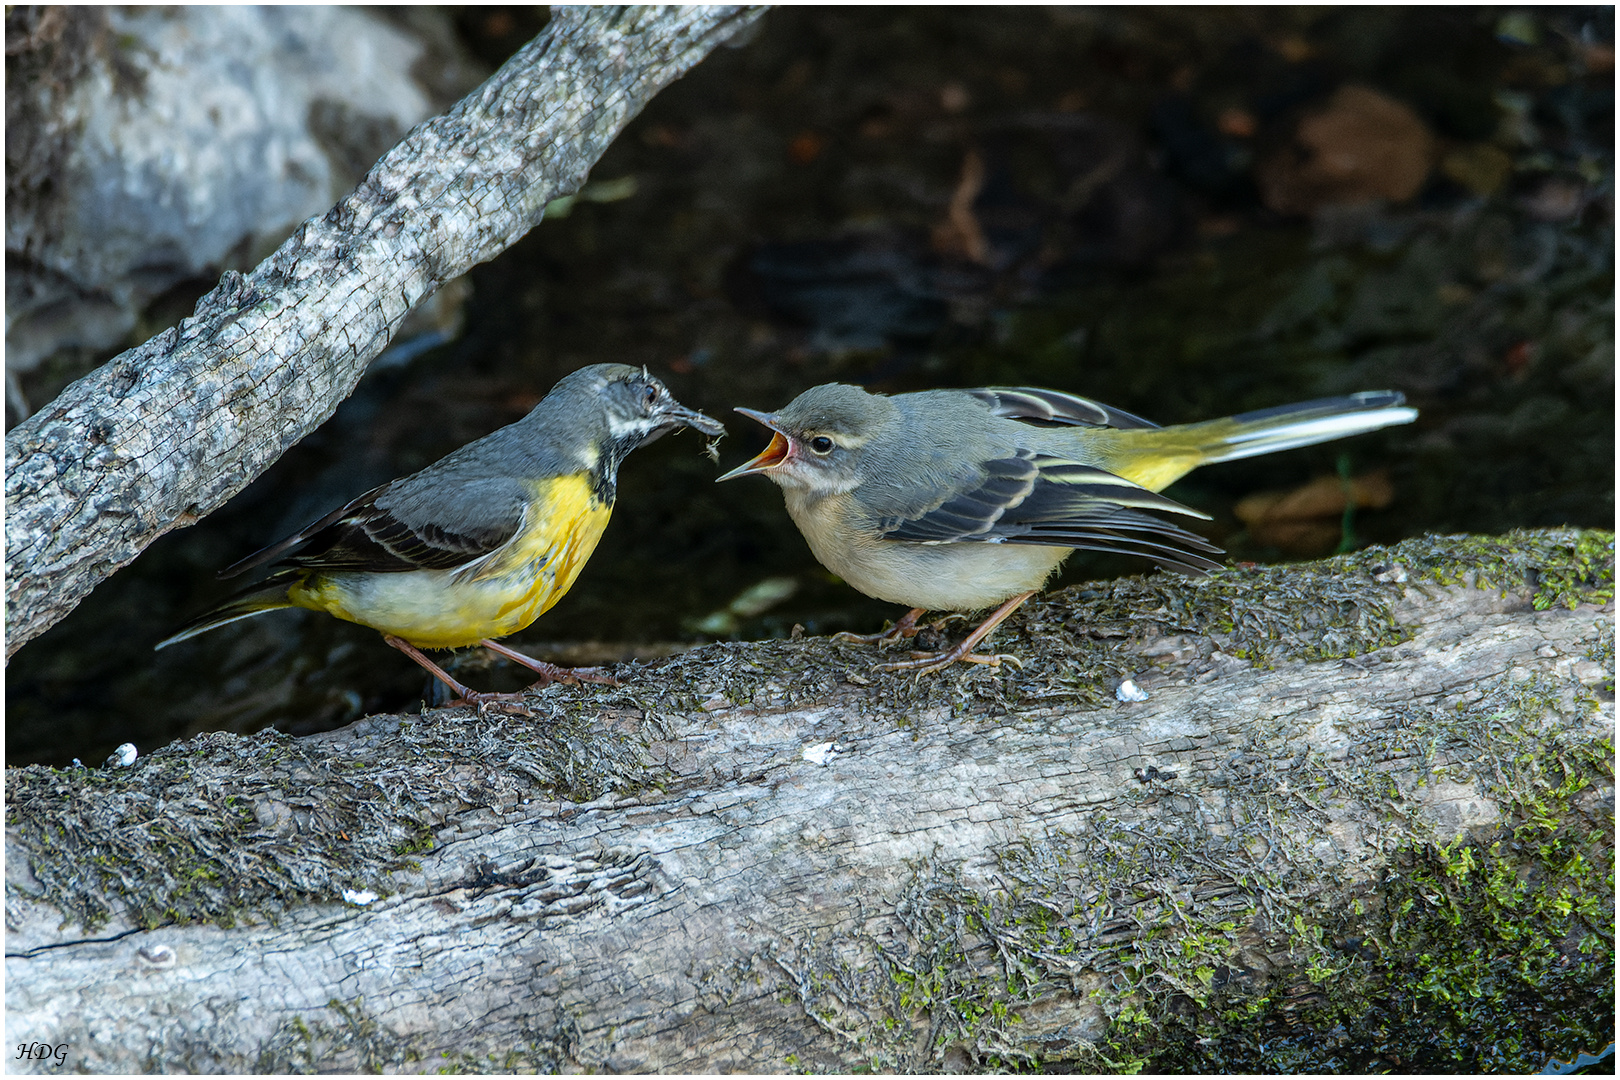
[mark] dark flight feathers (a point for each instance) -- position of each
(1035, 498)
(364, 536)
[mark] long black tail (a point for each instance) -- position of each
(267, 595)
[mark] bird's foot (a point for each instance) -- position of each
(571, 676)
(994, 660)
(550, 673)
(906, 628)
(963, 650)
(466, 696)
(892, 633)
(924, 662)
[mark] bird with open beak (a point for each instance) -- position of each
(966, 500)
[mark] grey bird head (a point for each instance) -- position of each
(818, 438)
(628, 407)
(639, 408)
(589, 422)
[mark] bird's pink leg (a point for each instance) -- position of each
(464, 694)
(924, 662)
(550, 673)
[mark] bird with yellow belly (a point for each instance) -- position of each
(479, 544)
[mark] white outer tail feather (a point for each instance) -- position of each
(1287, 436)
(188, 634)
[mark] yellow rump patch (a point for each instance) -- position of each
(1156, 472)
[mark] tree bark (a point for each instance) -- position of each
(168, 431)
(764, 857)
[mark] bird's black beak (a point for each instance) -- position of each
(772, 456)
(675, 415)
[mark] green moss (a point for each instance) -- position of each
(1174, 946)
(161, 841)
(1226, 937)
(539, 1058)
(422, 841)
(352, 1041)
(1480, 956)
(1262, 614)
(1462, 954)
(1075, 644)
(1563, 567)
(1601, 652)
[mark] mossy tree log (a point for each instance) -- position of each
(168, 431)
(765, 857)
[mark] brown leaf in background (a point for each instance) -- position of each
(1307, 520)
(805, 147)
(1236, 122)
(1362, 146)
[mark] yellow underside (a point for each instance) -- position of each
(449, 609)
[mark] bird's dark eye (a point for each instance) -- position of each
(649, 396)
(821, 444)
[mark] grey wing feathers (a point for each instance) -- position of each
(973, 514)
(1049, 407)
(1034, 498)
(365, 536)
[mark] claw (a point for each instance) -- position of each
(550, 673)
(923, 663)
(905, 628)
(480, 700)
(505, 709)
(466, 696)
(994, 660)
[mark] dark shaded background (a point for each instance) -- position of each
(917, 197)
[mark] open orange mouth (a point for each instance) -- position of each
(772, 456)
(769, 458)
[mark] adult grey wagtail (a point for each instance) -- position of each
(962, 500)
(481, 543)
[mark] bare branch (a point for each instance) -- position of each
(168, 431)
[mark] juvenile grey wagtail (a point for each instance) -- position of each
(962, 500)
(479, 544)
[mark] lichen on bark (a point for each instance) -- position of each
(768, 850)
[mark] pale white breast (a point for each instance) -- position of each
(938, 577)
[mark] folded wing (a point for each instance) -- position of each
(1032, 498)
(366, 536)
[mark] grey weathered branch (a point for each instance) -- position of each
(168, 431)
(761, 857)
